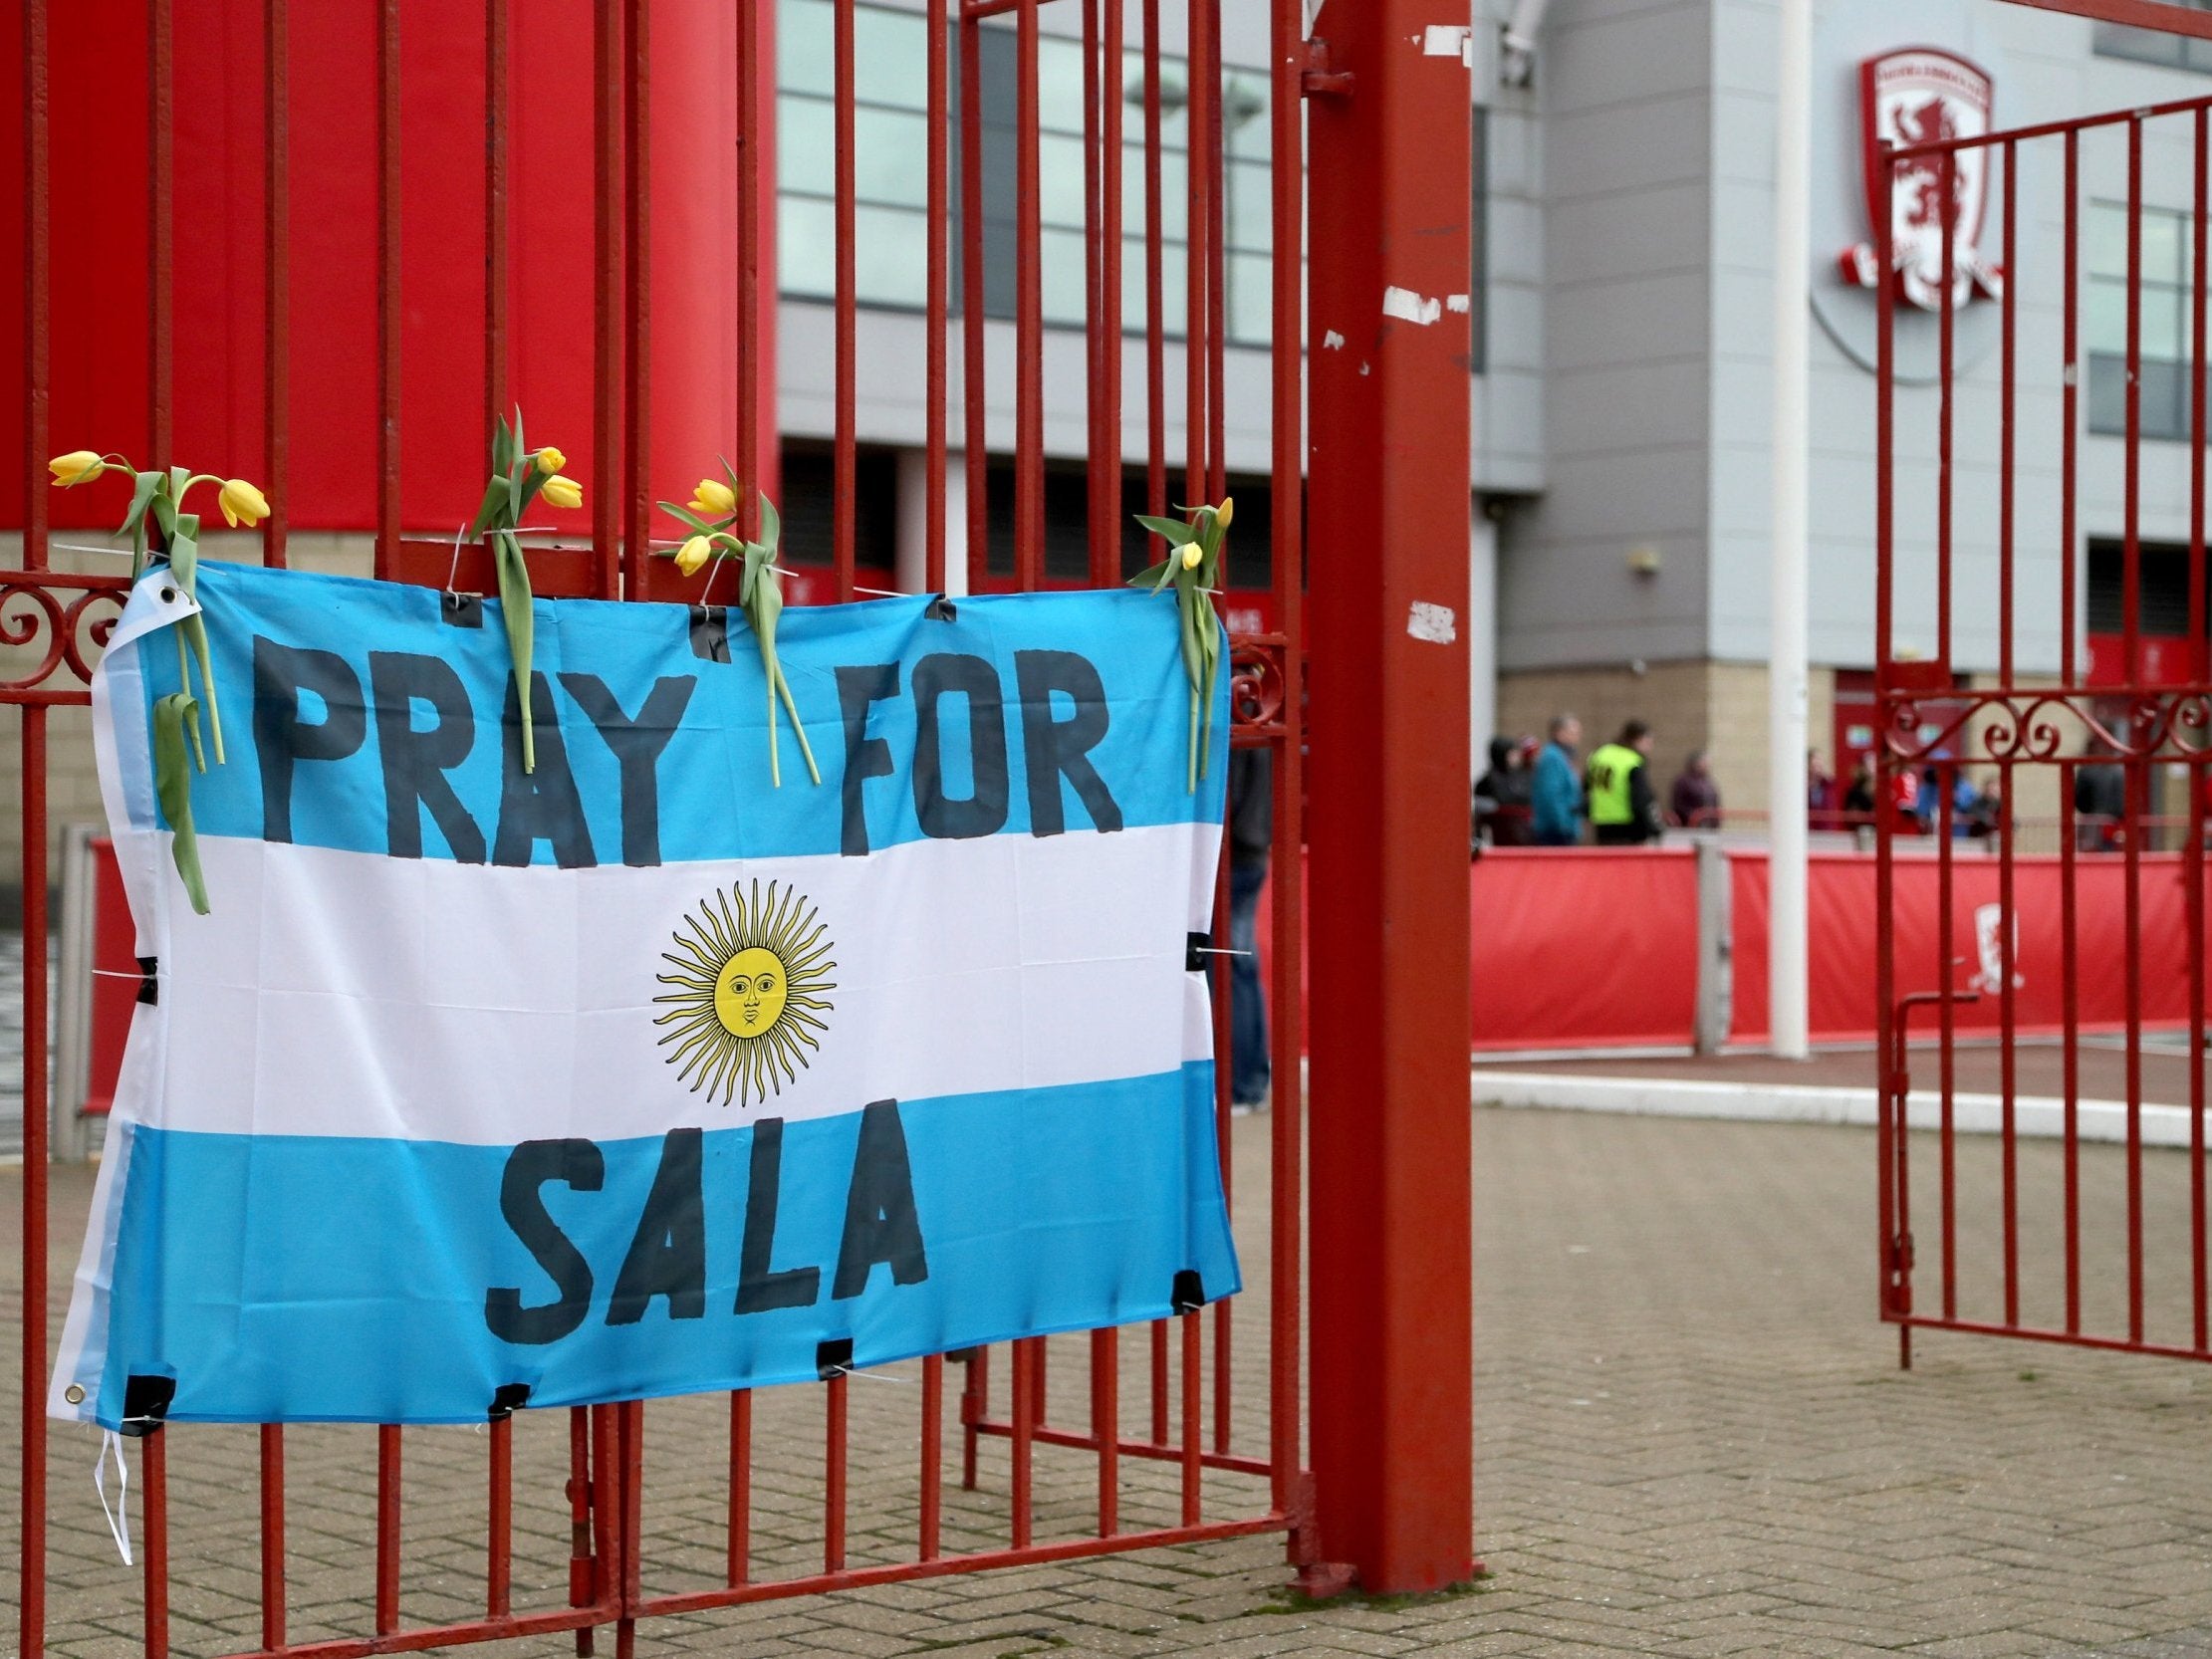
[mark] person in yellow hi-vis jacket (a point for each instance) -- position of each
(1623, 809)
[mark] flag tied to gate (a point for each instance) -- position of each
(634, 1075)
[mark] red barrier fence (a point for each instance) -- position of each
(1841, 939)
(1588, 948)
(1597, 948)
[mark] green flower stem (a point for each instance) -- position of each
(782, 687)
(515, 612)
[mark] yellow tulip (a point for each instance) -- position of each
(713, 499)
(551, 459)
(79, 466)
(1222, 512)
(1191, 555)
(563, 491)
(693, 554)
(243, 504)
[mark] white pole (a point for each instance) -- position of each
(1786, 744)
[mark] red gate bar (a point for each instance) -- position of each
(1391, 504)
(604, 1489)
(2149, 717)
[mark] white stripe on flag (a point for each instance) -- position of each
(349, 994)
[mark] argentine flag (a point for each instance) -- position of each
(633, 1075)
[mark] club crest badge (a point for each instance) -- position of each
(1920, 96)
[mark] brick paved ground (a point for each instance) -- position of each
(1692, 1439)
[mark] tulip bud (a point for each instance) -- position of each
(1221, 514)
(713, 499)
(79, 466)
(563, 491)
(243, 504)
(1191, 555)
(551, 459)
(693, 554)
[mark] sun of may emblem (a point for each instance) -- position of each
(747, 994)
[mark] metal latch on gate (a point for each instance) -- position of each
(1317, 74)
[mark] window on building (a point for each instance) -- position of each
(890, 160)
(2164, 578)
(2155, 46)
(2166, 277)
(1067, 524)
(808, 506)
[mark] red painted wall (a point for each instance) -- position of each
(100, 231)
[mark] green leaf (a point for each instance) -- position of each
(1168, 570)
(514, 493)
(487, 515)
(184, 562)
(1150, 576)
(195, 634)
(515, 612)
(688, 517)
(142, 495)
(172, 786)
(771, 525)
(521, 448)
(178, 478)
(533, 480)
(1175, 531)
(737, 484)
(503, 449)
(164, 512)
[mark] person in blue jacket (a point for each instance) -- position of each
(1558, 806)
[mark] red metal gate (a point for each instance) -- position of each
(629, 1556)
(2037, 543)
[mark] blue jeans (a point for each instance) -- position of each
(1248, 1075)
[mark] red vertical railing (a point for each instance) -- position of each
(2155, 159)
(610, 1524)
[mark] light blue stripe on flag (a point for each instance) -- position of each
(715, 799)
(280, 1278)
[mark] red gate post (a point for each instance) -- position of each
(1389, 479)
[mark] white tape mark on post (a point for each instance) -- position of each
(1456, 302)
(1403, 302)
(1449, 39)
(1435, 623)
(1331, 340)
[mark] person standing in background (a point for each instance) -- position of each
(1557, 799)
(1623, 809)
(1251, 838)
(1694, 800)
(1502, 795)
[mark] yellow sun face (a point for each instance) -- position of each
(747, 994)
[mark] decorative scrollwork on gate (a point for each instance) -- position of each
(2030, 725)
(1256, 687)
(52, 627)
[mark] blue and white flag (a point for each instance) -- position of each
(634, 1075)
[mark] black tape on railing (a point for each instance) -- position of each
(146, 1404)
(710, 632)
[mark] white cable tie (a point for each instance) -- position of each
(453, 571)
(118, 1518)
(1208, 950)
